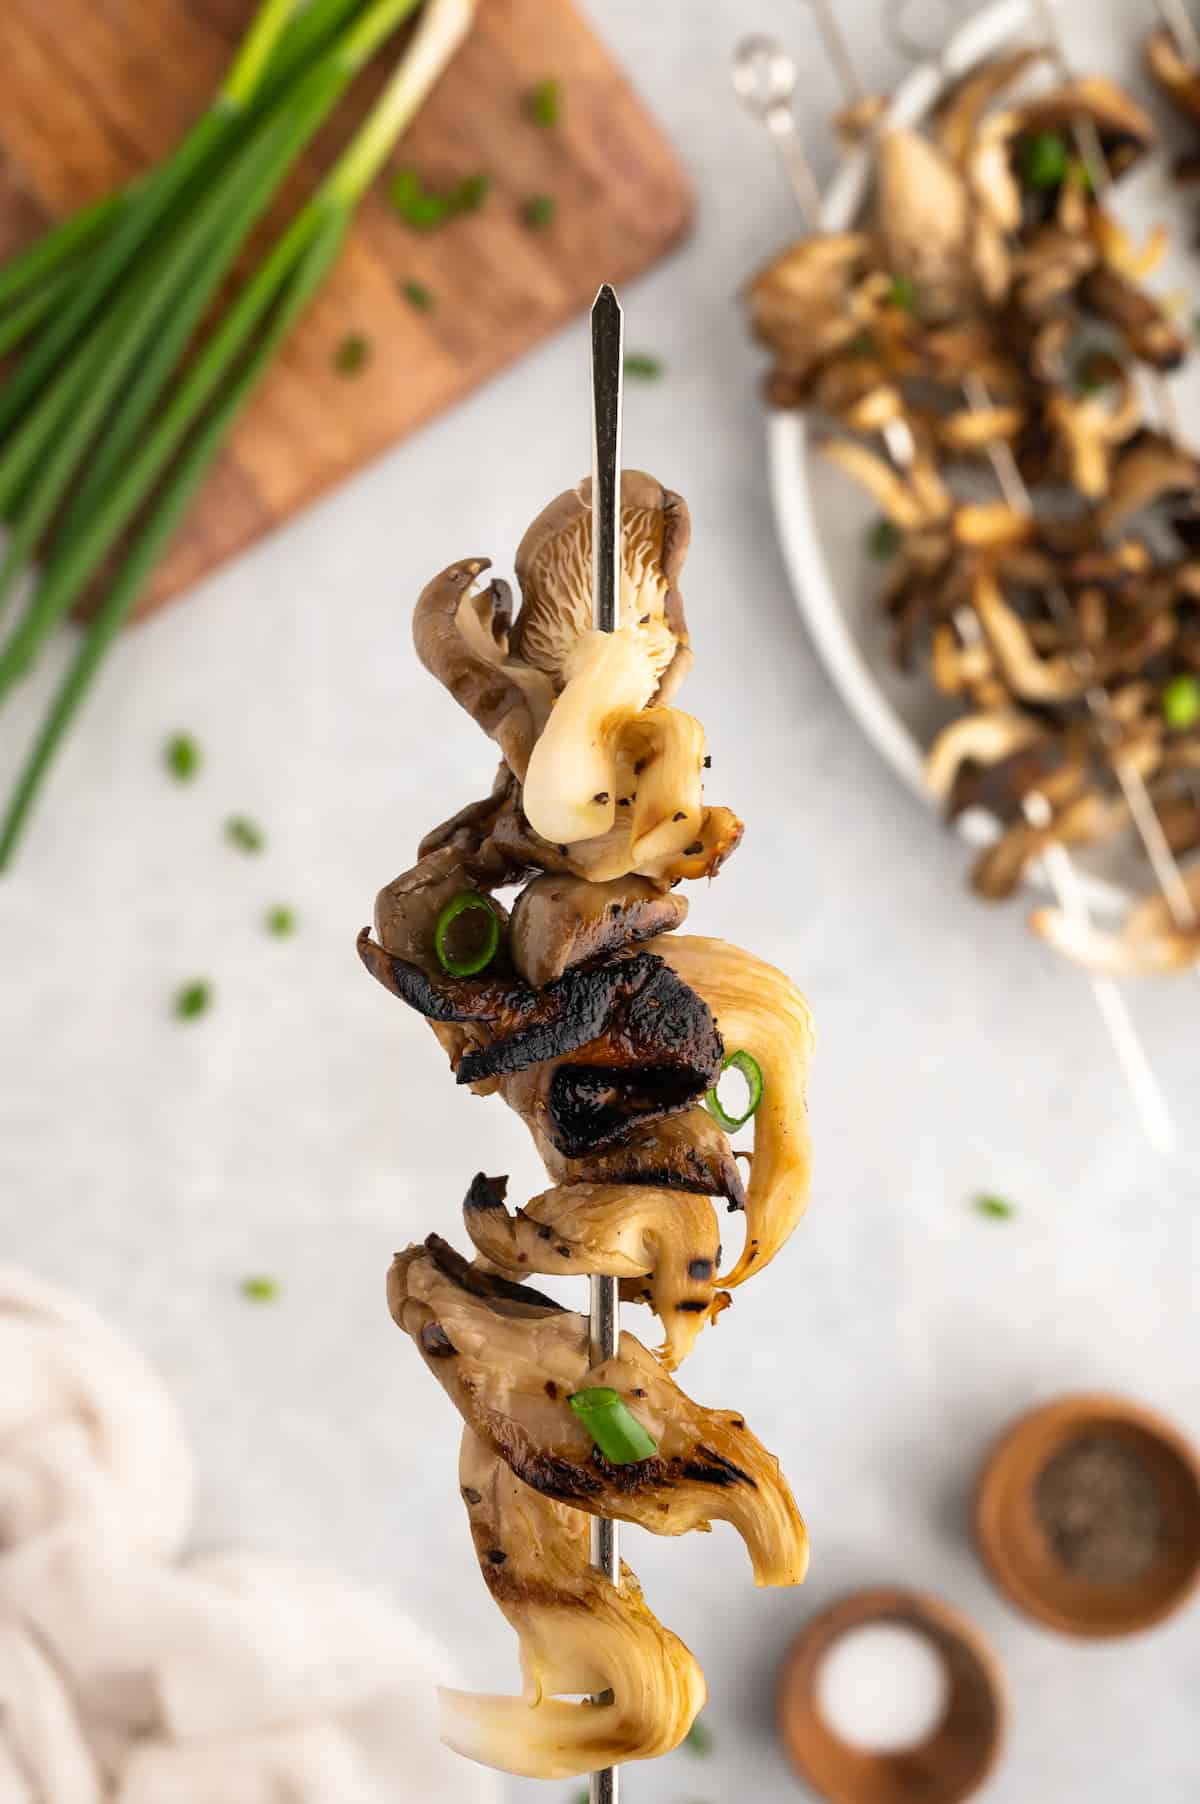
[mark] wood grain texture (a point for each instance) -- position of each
(96, 89)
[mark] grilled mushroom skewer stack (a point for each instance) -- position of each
(607, 1031)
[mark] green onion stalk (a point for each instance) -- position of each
(128, 429)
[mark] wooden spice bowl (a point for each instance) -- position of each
(1019, 1554)
(951, 1763)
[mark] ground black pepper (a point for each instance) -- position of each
(1100, 1509)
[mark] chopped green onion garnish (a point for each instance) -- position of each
(1181, 702)
(613, 1426)
(539, 211)
(182, 756)
(245, 834)
(698, 1739)
(193, 999)
(902, 292)
(351, 355)
(281, 921)
(545, 102)
(996, 1206)
(470, 962)
(862, 345)
(260, 1290)
(424, 209)
(418, 296)
(1043, 160)
(642, 366)
(751, 1071)
(883, 540)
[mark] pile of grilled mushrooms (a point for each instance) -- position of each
(607, 1030)
(992, 310)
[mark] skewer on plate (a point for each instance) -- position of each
(764, 78)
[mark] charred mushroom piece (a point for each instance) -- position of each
(619, 1045)
(560, 921)
(687, 1151)
(580, 770)
(511, 1375)
(579, 1636)
(663, 1244)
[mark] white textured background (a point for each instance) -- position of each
(307, 1127)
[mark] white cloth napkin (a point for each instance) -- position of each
(130, 1675)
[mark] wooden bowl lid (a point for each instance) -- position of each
(1015, 1546)
(944, 1768)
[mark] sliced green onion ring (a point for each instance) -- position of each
(613, 1426)
(752, 1072)
(472, 962)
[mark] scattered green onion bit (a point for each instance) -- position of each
(1181, 702)
(1044, 162)
(539, 211)
(750, 1069)
(613, 1426)
(280, 921)
(244, 833)
(351, 355)
(902, 292)
(193, 999)
(544, 102)
(883, 540)
(181, 755)
(418, 296)
(425, 209)
(261, 1290)
(642, 366)
(471, 962)
(698, 1739)
(997, 1207)
(862, 345)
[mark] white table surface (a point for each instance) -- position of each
(306, 1127)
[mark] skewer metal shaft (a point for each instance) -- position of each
(764, 80)
(607, 371)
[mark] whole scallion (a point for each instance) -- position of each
(111, 417)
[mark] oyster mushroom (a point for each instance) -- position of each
(461, 635)
(509, 1360)
(1173, 73)
(560, 921)
(581, 771)
(620, 1045)
(1125, 131)
(663, 1244)
(1087, 820)
(1149, 942)
(987, 737)
(580, 1636)
(1088, 427)
(759, 1011)
(923, 218)
(806, 305)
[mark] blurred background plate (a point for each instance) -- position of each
(823, 519)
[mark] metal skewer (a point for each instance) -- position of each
(764, 78)
(607, 370)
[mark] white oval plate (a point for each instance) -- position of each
(823, 519)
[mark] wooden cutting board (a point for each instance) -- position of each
(93, 90)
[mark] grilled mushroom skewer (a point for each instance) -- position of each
(607, 1031)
